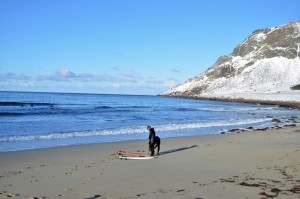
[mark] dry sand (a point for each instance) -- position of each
(245, 165)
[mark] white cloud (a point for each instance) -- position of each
(13, 77)
(116, 85)
(26, 84)
(170, 83)
(65, 79)
(65, 73)
(15, 80)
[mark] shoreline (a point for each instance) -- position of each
(284, 125)
(282, 103)
(252, 164)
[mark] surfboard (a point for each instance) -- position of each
(136, 157)
(133, 154)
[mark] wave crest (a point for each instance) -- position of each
(132, 130)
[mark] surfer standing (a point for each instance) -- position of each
(151, 139)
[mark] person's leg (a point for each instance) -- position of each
(151, 149)
(158, 146)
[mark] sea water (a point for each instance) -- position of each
(41, 120)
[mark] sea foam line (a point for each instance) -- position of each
(124, 131)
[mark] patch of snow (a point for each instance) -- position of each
(280, 48)
(274, 29)
(266, 79)
(270, 77)
(260, 37)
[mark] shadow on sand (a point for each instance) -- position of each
(177, 150)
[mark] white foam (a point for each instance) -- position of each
(124, 131)
(175, 127)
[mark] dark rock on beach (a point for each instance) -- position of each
(290, 125)
(234, 130)
(262, 129)
(274, 120)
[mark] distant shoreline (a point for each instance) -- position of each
(289, 104)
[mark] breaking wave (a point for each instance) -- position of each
(126, 131)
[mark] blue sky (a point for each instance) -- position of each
(123, 46)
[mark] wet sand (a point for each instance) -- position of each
(256, 164)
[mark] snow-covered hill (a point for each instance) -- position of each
(264, 66)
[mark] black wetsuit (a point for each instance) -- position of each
(151, 140)
(157, 144)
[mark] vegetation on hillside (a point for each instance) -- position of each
(297, 87)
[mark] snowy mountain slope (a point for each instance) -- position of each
(264, 66)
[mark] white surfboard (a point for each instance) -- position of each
(125, 153)
(136, 157)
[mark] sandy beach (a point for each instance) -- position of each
(258, 164)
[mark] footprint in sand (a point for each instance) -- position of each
(11, 173)
(142, 194)
(95, 196)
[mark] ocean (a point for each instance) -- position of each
(43, 120)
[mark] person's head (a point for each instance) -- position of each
(148, 127)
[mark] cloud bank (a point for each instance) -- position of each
(65, 80)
